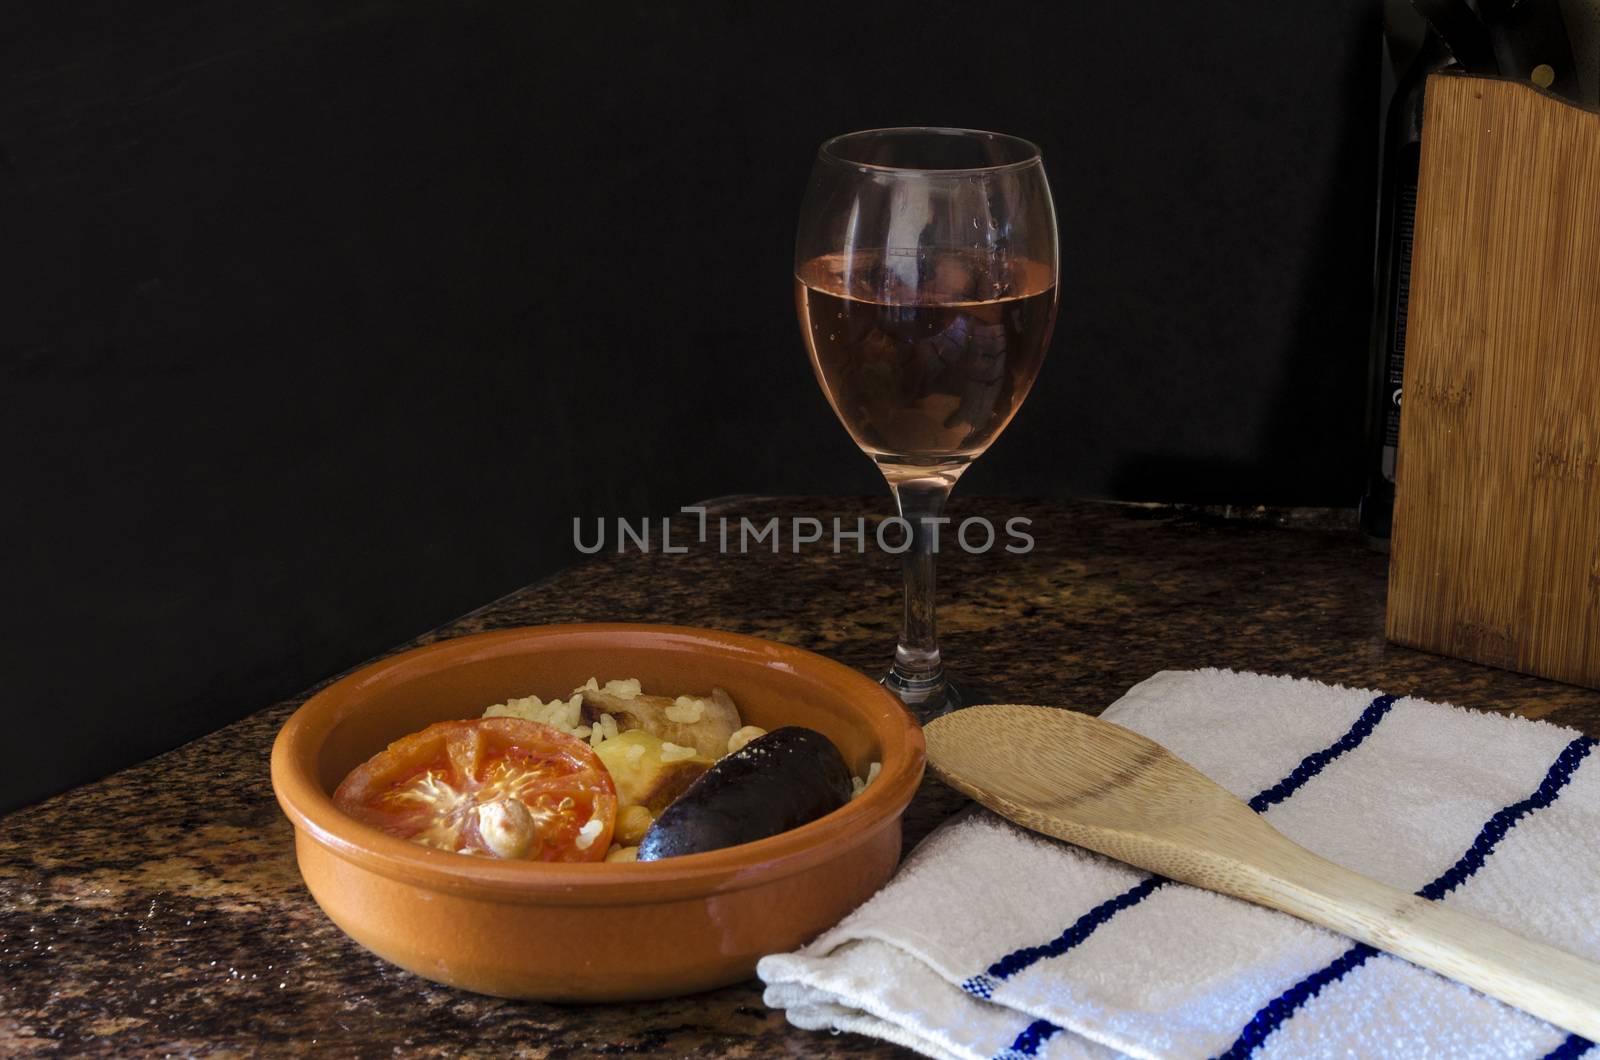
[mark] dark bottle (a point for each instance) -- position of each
(1397, 209)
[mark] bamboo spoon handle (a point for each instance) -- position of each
(1539, 979)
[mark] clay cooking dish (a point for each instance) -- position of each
(605, 931)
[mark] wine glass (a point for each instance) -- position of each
(925, 282)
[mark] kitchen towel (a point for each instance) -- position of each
(994, 942)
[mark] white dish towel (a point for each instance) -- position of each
(994, 942)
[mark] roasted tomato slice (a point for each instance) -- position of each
(502, 787)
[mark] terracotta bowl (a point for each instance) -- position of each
(603, 932)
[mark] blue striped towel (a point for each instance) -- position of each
(994, 942)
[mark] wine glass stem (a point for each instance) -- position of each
(918, 675)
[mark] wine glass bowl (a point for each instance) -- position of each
(937, 373)
(925, 284)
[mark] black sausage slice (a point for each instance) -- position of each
(773, 783)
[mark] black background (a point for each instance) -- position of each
(322, 321)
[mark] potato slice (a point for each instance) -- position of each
(643, 778)
(701, 722)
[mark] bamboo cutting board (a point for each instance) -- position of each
(1496, 542)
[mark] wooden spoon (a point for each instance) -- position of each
(1111, 790)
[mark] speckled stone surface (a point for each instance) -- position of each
(159, 910)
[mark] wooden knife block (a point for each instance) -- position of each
(1496, 542)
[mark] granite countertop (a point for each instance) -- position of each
(159, 910)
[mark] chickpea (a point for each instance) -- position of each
(744, 736)
(507, 827)
(632, 823)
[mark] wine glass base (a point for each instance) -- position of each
(929, 701)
